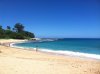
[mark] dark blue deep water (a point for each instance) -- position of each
(91, 46)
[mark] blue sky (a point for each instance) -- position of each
(54, 18)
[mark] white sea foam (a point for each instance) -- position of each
(71, 53)
(79, 54)
(12, 45)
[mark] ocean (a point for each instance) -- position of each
(66, 45)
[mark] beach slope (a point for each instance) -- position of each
(19, 61)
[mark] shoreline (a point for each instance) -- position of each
(61, 53)
(19, 61)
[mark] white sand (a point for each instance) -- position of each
(18, 61)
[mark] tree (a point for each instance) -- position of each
(8, 33)
(19, 27)
(29, 34)
(2, 32)
(8, 28)
(16, 33)
(0, 27)
(18, 36)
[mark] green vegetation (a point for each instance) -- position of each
(17, 32)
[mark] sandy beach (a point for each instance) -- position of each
(19, 61)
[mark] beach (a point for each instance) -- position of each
(21, 61)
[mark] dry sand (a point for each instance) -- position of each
(19, 61)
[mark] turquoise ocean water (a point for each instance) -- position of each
(90, 46)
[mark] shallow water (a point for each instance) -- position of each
(90, 46)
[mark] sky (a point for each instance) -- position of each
(53, 18)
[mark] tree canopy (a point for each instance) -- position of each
(17, 32)
(19, 27)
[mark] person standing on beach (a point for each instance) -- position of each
(36, 48)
